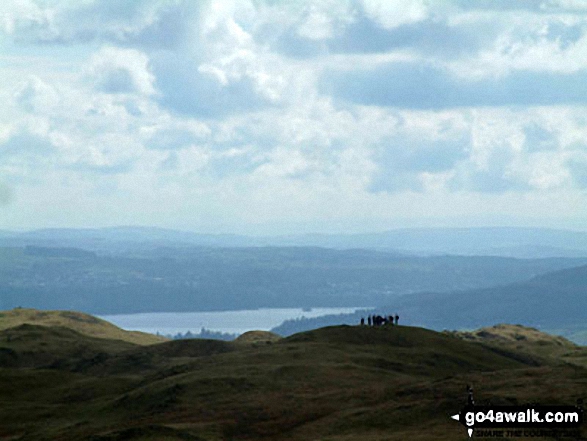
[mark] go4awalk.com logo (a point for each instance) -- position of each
(520, 421)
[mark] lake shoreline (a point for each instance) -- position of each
(230, 321)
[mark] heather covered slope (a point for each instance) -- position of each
(336, 383)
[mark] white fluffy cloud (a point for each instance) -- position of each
(35, 95)
(13, 13)
(115, 70)
(370, 113)
(393, 13)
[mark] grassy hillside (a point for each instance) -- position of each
(517, 338)
(52, 346)
(257, 337)
(521, 337)
(83, 323)
(337, 383)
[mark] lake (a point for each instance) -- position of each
(233, 322)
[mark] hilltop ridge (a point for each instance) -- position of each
(85, 324)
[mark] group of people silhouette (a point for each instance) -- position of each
(379, 320)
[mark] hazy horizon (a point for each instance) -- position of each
(302, 231)
(263, 118)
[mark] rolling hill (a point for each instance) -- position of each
(85, 324)
(337, 383)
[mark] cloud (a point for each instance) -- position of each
(541, 7)
(235, 162)
(369, 27)
(489, 151)
(109, 153)
(115, 70)
(547, 171)
(500, 5)
(486, 181)
(577, 166)
(498, 174)
(171, 162)
(430, 37)
(6, 194)
(223, 71)
(566, 35)
(26, 145)
(393, 13)
(424, 86)
(317, 23)
(26, 154)
(403, 160)
(100, 169)
(21, 16)
(263, 110)
(186, 90)
(148, 23)
(512, 151)
(539, 138)
(176, 138)
(37, 96)
(364, 36)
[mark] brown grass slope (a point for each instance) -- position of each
(334, 384)
(83, 323)
(258, 337)
(515, 334)
(518, 338)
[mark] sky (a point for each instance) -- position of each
(272, 117)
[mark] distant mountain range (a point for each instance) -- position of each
(215, 278)
(507, 242)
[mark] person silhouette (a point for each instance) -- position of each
(470, 399)
(369, 320)
(396, 319)
(362, 321)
